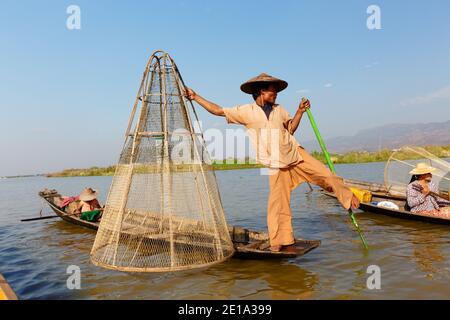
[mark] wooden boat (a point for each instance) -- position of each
(380, 193)
(6, 293)
(248, 244)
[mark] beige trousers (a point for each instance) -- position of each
(283, 181)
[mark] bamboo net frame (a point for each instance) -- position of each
(163, 211)
(402, 161)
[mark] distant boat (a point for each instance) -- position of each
(396, 180)
(380, 193)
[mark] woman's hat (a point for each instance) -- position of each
(88, 194)
(422, 168)
(249, 85)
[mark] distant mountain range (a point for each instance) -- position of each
(388, 137)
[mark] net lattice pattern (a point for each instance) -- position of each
(402, 161)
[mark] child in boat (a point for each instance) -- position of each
(420, 193)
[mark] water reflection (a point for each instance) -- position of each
(428, 253)
(275, 280)
(233, 279)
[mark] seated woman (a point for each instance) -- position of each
(421, 193)
(89, 206)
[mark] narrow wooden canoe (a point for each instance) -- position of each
(6, 293)
(248, 244)
(380, 193)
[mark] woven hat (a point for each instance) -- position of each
(249, 85)
(88, 194)
(422, 168)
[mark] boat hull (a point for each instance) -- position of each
(379, 193)
(248, 244)
(6, 292)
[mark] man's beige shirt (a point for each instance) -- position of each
(275, 146)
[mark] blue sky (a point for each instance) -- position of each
(65, 95)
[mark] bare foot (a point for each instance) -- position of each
(275, 248)
(355, 202)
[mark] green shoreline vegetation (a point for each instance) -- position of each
(234, 164)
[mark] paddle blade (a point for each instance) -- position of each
(361, 235)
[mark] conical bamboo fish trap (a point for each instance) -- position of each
(163, 211)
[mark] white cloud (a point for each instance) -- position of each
(328, 85)
(440, 94)
(371, 65)
(303, 91)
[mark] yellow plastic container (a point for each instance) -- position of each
(362, 195)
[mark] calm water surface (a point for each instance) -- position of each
(413, 256)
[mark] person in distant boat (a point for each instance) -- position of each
(88, 200)
(271, 131)
(421, 193)
(90, 208)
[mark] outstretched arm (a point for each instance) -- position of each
(208, 105)
(302, 107)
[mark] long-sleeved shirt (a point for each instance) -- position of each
(418, 202)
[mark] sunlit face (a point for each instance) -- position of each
(270, 94)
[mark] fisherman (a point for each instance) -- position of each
(271, 131)
(421, 193)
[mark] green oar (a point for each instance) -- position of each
(331, 166)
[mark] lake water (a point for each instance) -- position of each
(413, 256)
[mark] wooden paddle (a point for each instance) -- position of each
(39, 218)
(434, 194)
(48, 217)
(331, 166)
(439, 195)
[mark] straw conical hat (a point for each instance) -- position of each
(248, 86)
(88, 194)
(422, 168)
